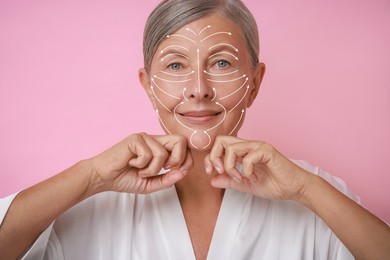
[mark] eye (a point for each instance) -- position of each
(175, 66)
(222, 63)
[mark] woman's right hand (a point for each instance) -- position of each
(133, 165)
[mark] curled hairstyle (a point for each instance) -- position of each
(171, 15)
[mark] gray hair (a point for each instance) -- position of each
(171, 15)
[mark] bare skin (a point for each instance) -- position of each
(130, 166)
(200, 176)
(267, 173)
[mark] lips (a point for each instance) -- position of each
(198, 117)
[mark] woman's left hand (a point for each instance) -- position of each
(265, 171)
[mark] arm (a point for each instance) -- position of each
(365, 235)
(35, 208)
(269, 174)
(130, 166)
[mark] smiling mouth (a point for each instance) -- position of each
(199, 117)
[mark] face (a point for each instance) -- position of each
(201, 81)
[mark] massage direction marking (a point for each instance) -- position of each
(175, 75)
(223, 44)
(225, 81)
(216, 78)
(220, 75)
(174, 47)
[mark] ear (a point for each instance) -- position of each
(258, 74)
(144, 79)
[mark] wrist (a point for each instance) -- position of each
(310, 186)
(94, 184)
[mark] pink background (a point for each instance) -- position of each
(69, 86)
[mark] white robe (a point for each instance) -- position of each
(126, 226)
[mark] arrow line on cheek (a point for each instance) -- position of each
(184, 95)
(231, 94)
(224, 116)
(215, 94)
(159, 117)
(225, 81)
(246, 92)
(154, 82)
(239, 120)
(154, 94)
(171, 81)
(177, 119)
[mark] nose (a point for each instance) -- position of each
(199, 88)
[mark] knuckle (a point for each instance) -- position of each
(213, 159)
(161, 154)
(267, 147)
(138, 136)
(134, 137)
(143, 151)
(181, 139)
(229, 168)
(229, 149)
(246, 161)
(219, 138)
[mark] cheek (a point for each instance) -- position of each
(233, 96)
(168, 90)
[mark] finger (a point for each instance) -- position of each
(188, 162)
(217, 153)
(208, 166)
(260, 155)
(137, 146)
(232, 153)
(159, 156)
(176, 146)
(225, 181)
(164, 181)
(222, 181)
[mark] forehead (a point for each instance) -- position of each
(207, 30)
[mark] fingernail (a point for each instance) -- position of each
(208, 169)
(219, 170)
(184, 171)
(236, 179)
(167, 167)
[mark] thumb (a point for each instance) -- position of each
(164, 181)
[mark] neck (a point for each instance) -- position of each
(196, 186)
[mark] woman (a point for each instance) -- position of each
(218, 196)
